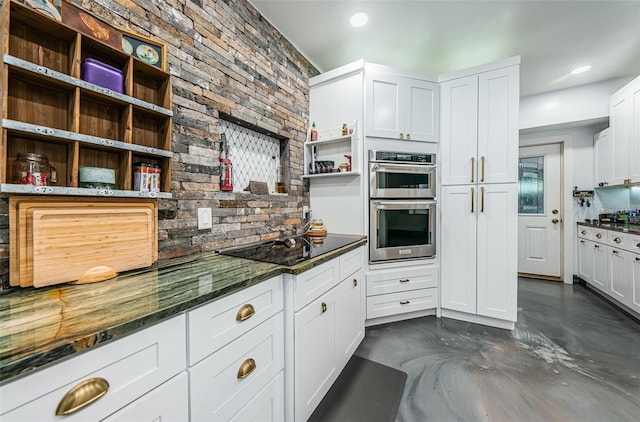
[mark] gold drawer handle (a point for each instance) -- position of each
(82, 395)
(401, 135)
(473, 169)
(598, 235)
(245, 312)
(614, 252)
(404, 280)
(247, 367)
(583, 232)
(637, 258)
(617, 240)
(408, 136)
(482, 172)
(404, 302)
(324, 307)
(355, 282)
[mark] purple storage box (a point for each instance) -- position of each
(103, 75)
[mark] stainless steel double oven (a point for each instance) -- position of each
(402, 206)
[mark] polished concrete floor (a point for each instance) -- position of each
(571, 357)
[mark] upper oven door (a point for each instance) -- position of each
(393, 180)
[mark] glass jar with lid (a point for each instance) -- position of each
(33, 169)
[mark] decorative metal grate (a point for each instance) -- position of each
(254, 156)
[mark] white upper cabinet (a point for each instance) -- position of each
(602, 158)
(624, 119)
(480, 128)
(400, 107)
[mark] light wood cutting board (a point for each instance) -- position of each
(69, 242)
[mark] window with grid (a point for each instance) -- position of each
(254, 156)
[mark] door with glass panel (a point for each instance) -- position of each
(539, 212)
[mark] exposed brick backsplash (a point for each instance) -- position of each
(225, 59)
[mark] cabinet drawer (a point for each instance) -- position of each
(599, 235)
(400, 303)
(132, 366)
(216, 324)
(584, 232)
(634, 243)
(169, 402)
(309, 285)
(351, 262)
(401, 280)
(217, 392)
(618, 240)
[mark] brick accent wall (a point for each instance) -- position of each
(226, 60)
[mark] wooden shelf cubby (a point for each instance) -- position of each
(50, 110)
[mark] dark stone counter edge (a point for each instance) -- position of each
(28, 364)
(616, 227)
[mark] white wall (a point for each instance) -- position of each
(580, 104)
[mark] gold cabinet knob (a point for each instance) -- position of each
(355, 282)
(82, 395)
(408, 137)
(401, 135)
(245, 312)
(617, 240)
(246, 368)
(583, 232)
(599, 236)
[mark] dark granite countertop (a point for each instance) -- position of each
(41, 326)
(617, 227)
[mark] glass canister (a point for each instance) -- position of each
(33, 169)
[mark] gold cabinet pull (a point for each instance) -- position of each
(582, 241)
(596, 246)
(404, 302)
(473, 194)
(638, 245)
(583, 232)
(245, 312)
(408, 136)
(617, 240)
(637, 258)
(324, 307)
(401, 135)
(473, 168)
(482, 167)
(247, 367)
(355, 282)
(482, 199)
(598, 235)
(82, 395)
(614, 252)
(404, 280)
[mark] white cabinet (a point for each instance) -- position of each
(620, 269)
(601, 267)
(326, 307)
(479, 141)
(585, 260)
(132, 367)
(602, 157)
(624, 119)
(634, 294)
(400, 107)
(478, 253)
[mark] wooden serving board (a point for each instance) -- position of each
(21, 224)
(68, 242)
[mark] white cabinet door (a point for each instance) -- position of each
(619, 274)
(619, 117)
(349, 317)
(459, 131)
(421, 106)
(585, 264)
(383, 114)
(498, 100)
(497, 291)
(458, 248)
(315, 362)
(634, 296)
(167, 403)
(634, 147)
(602, 156)
(266, 406)
(601, 267)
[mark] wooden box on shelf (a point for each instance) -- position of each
(51, 111)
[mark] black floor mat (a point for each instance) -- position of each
(365, 391)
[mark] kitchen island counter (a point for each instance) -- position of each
(39, 327)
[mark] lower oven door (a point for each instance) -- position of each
(401, 229)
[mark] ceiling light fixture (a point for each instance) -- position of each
(580, 69)
(359, 18)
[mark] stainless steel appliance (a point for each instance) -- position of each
(401, 229)
(402, 208)
(401, 175)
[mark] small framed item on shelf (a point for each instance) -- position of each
(146, 49)
(84, 22)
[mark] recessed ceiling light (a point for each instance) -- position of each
(359, 18)
(580, 69)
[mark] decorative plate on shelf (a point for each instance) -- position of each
(126, 46)
(147, 54)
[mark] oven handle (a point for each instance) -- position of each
(404, 168)
(405, 203)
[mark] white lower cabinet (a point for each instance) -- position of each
(167, 403)
(132, 367)
(619, 276)
(585, 260)
(601, 267)
(326, 328)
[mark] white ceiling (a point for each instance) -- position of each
(553, 37)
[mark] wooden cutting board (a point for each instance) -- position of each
(21, 222)
(69, 242)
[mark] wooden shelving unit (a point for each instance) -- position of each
(49, 110)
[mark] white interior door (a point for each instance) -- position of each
(539, 211)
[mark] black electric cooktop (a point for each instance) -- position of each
(290, 251)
